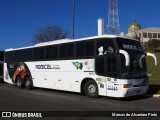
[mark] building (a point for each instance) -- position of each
(144, 35)
(149, 34)
(133, 28)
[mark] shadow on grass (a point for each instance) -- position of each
(154, 89)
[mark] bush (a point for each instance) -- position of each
(152, 45)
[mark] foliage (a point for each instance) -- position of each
(152, 45)
(52, 33)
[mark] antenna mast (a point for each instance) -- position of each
(113, 19)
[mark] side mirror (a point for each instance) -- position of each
(126, 55)
(140, 61)
(152, 55)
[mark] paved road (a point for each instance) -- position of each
(15, 99)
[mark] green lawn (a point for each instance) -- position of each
(154, 79)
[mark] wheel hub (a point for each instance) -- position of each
(92, 89)
(19, 83)
(27, 83)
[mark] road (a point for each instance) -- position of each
(15, 99)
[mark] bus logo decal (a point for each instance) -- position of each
(19, 68)
(78, 65)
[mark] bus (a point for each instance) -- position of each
(1, 65)
(104, 65)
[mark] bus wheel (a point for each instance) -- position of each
(19, 82)
(91, 89)
(28, 83)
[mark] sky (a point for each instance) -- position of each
(20, 19)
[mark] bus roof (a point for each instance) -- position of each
(63, 41)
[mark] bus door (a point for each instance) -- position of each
(111, 72)
(100, 71)
(107, 70)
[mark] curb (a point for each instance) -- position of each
(155, 95)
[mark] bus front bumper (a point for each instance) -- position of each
(133, 91)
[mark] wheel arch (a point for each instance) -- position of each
(84, 81)
(28, 85)
(21, 77)
(26, 77)
(17, 77)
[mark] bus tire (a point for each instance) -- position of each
(91, 89)
(19, 82)
(28, 83)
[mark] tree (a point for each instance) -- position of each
(49, 34)
(152, 45)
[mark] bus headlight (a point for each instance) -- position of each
(127, 85)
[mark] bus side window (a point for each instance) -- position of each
(62, 51)
(48, 52)
(89, 48)
(35, 54)
(54, 52)
(25, 57)
(80, 49)
(100, 66)
(70, 50)
(20, 54)
(41, 53)
(11, 56)
(15, 55)
(30, 54)
(105, 46)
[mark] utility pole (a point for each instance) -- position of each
(113, 19)
(73, 15)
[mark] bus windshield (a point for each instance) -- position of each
(137, 67)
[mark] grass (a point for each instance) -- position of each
(154, 79)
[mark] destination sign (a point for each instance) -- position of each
(129, 47)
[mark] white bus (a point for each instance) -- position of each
(102, 65)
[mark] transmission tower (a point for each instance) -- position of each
(113, 19)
